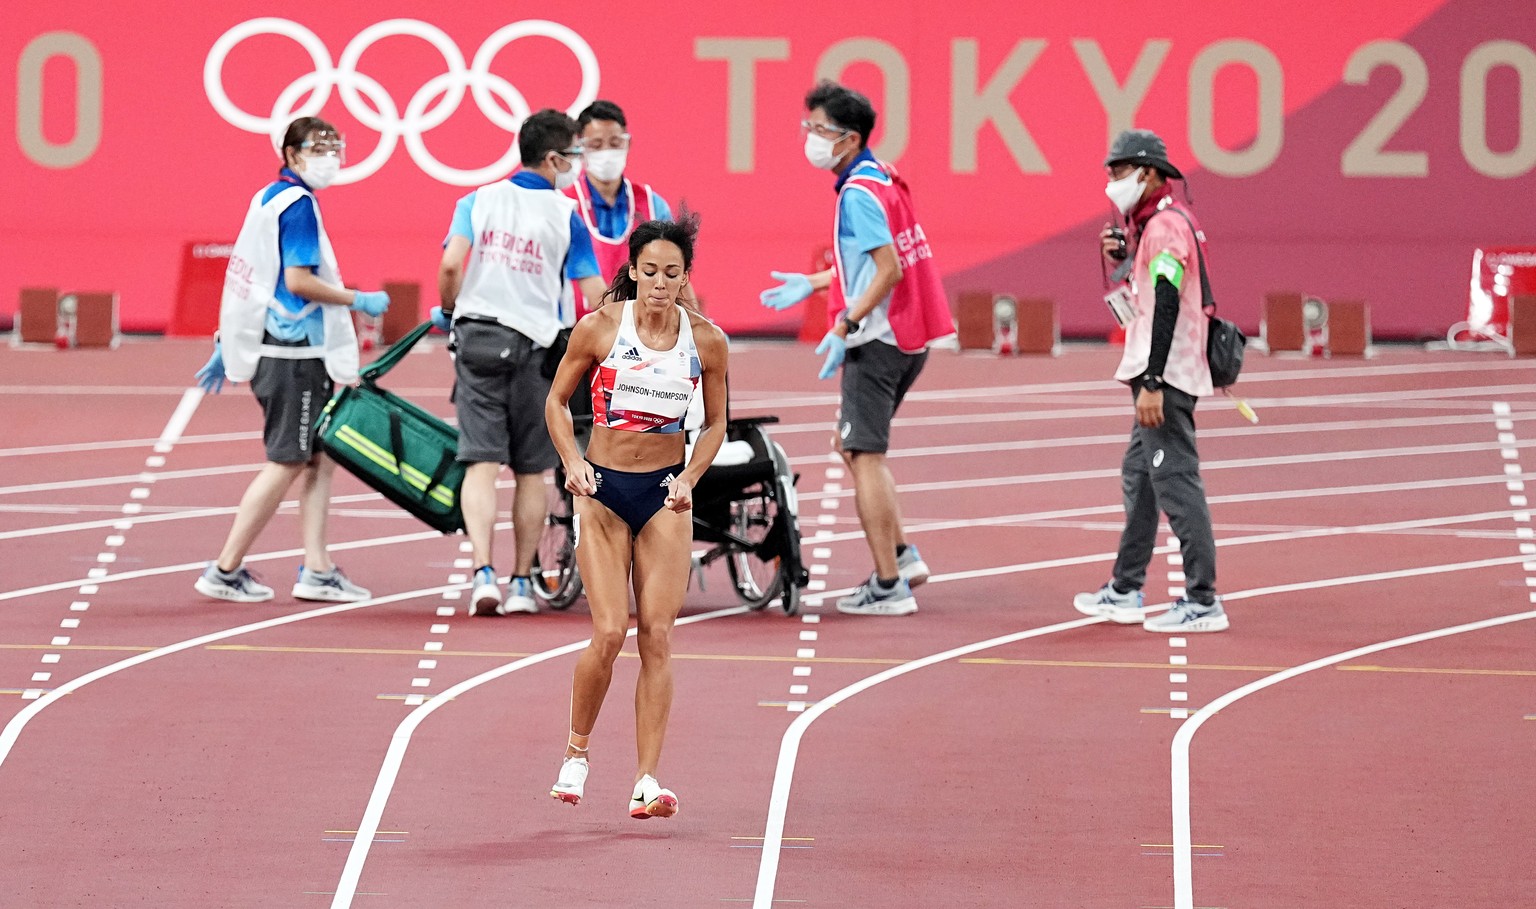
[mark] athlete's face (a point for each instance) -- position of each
(659, 273)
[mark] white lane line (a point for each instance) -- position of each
(125, 479)
(171, 434)
(18, 722)
(789, 747)
(76, 447)
(368, 828)
(1183, 860)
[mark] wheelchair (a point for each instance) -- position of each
(745, 511)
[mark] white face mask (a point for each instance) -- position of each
(321, 172)
(818, 151)
(567, 178)
(1126, 191)
(606, 165)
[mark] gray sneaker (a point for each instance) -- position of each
(331, 587)
(870, 599)
(1189, 616)
(238, 586)
(1123, 608)
(911, 567)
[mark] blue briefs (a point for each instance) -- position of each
(634, 497)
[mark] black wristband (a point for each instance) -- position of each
(850, 326)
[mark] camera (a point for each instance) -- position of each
(1119, 251)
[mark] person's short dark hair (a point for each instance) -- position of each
(547, 131)
(601, 110)
(845, 107)
(298, 133)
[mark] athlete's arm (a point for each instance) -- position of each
(712, 346)
(591, 333)
(450, 272)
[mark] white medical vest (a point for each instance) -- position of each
(516, 270)
(250, 287)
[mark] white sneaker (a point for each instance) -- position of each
(485, 599)
(1122, 608)
(869, 599)
(573, 776)
(519, 598)
(1187, 616)
(333, 587)
(911, 567)
(650, 800)
(239, 586)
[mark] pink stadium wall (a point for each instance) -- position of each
(1347, 150)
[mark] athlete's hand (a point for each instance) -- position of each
(211, 377)
(796, 287)
(372, 302)
(1149, 408)
(836, 349)
(580, 478)
(442, 321)
(679, 495)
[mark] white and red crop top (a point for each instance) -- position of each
(638, 389)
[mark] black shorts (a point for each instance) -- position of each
(292, 393)
(498, 391)
(634, 497)
(876, 377)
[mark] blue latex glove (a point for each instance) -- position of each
(794, 289)
(836, 349)
(372, 302)
(441, 320)
(211, 377)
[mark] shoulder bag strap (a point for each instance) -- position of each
(397, 351)
(1209, 303)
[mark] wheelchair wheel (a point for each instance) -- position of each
(757, 580)
(792, 572)
(556, 581)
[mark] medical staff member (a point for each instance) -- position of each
(610, 203)
(1165, 365)
(514, 249)
(285, 326)
(886, 307)
(648, 357)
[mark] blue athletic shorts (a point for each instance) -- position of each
(634, 497)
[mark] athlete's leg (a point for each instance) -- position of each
(603, 554)
(661, 580)
(257, 507)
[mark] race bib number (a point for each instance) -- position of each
(650, 396)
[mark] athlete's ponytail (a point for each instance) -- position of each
(680, 233)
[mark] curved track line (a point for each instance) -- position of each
(790, 745)
(346, 888)
(18, 722)
(789, 748)
(1183, 870)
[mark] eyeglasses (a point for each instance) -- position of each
(618, 142)
(825, 130)
(324, 148)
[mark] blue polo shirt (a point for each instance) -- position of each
(298, 237)
(580, 261)
(861, 227)
(613, 220)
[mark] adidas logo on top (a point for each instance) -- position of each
(632, 354)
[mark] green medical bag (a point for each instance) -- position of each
(395, 447)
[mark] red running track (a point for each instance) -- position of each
(229, 754)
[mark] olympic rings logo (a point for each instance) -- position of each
(379, 111)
